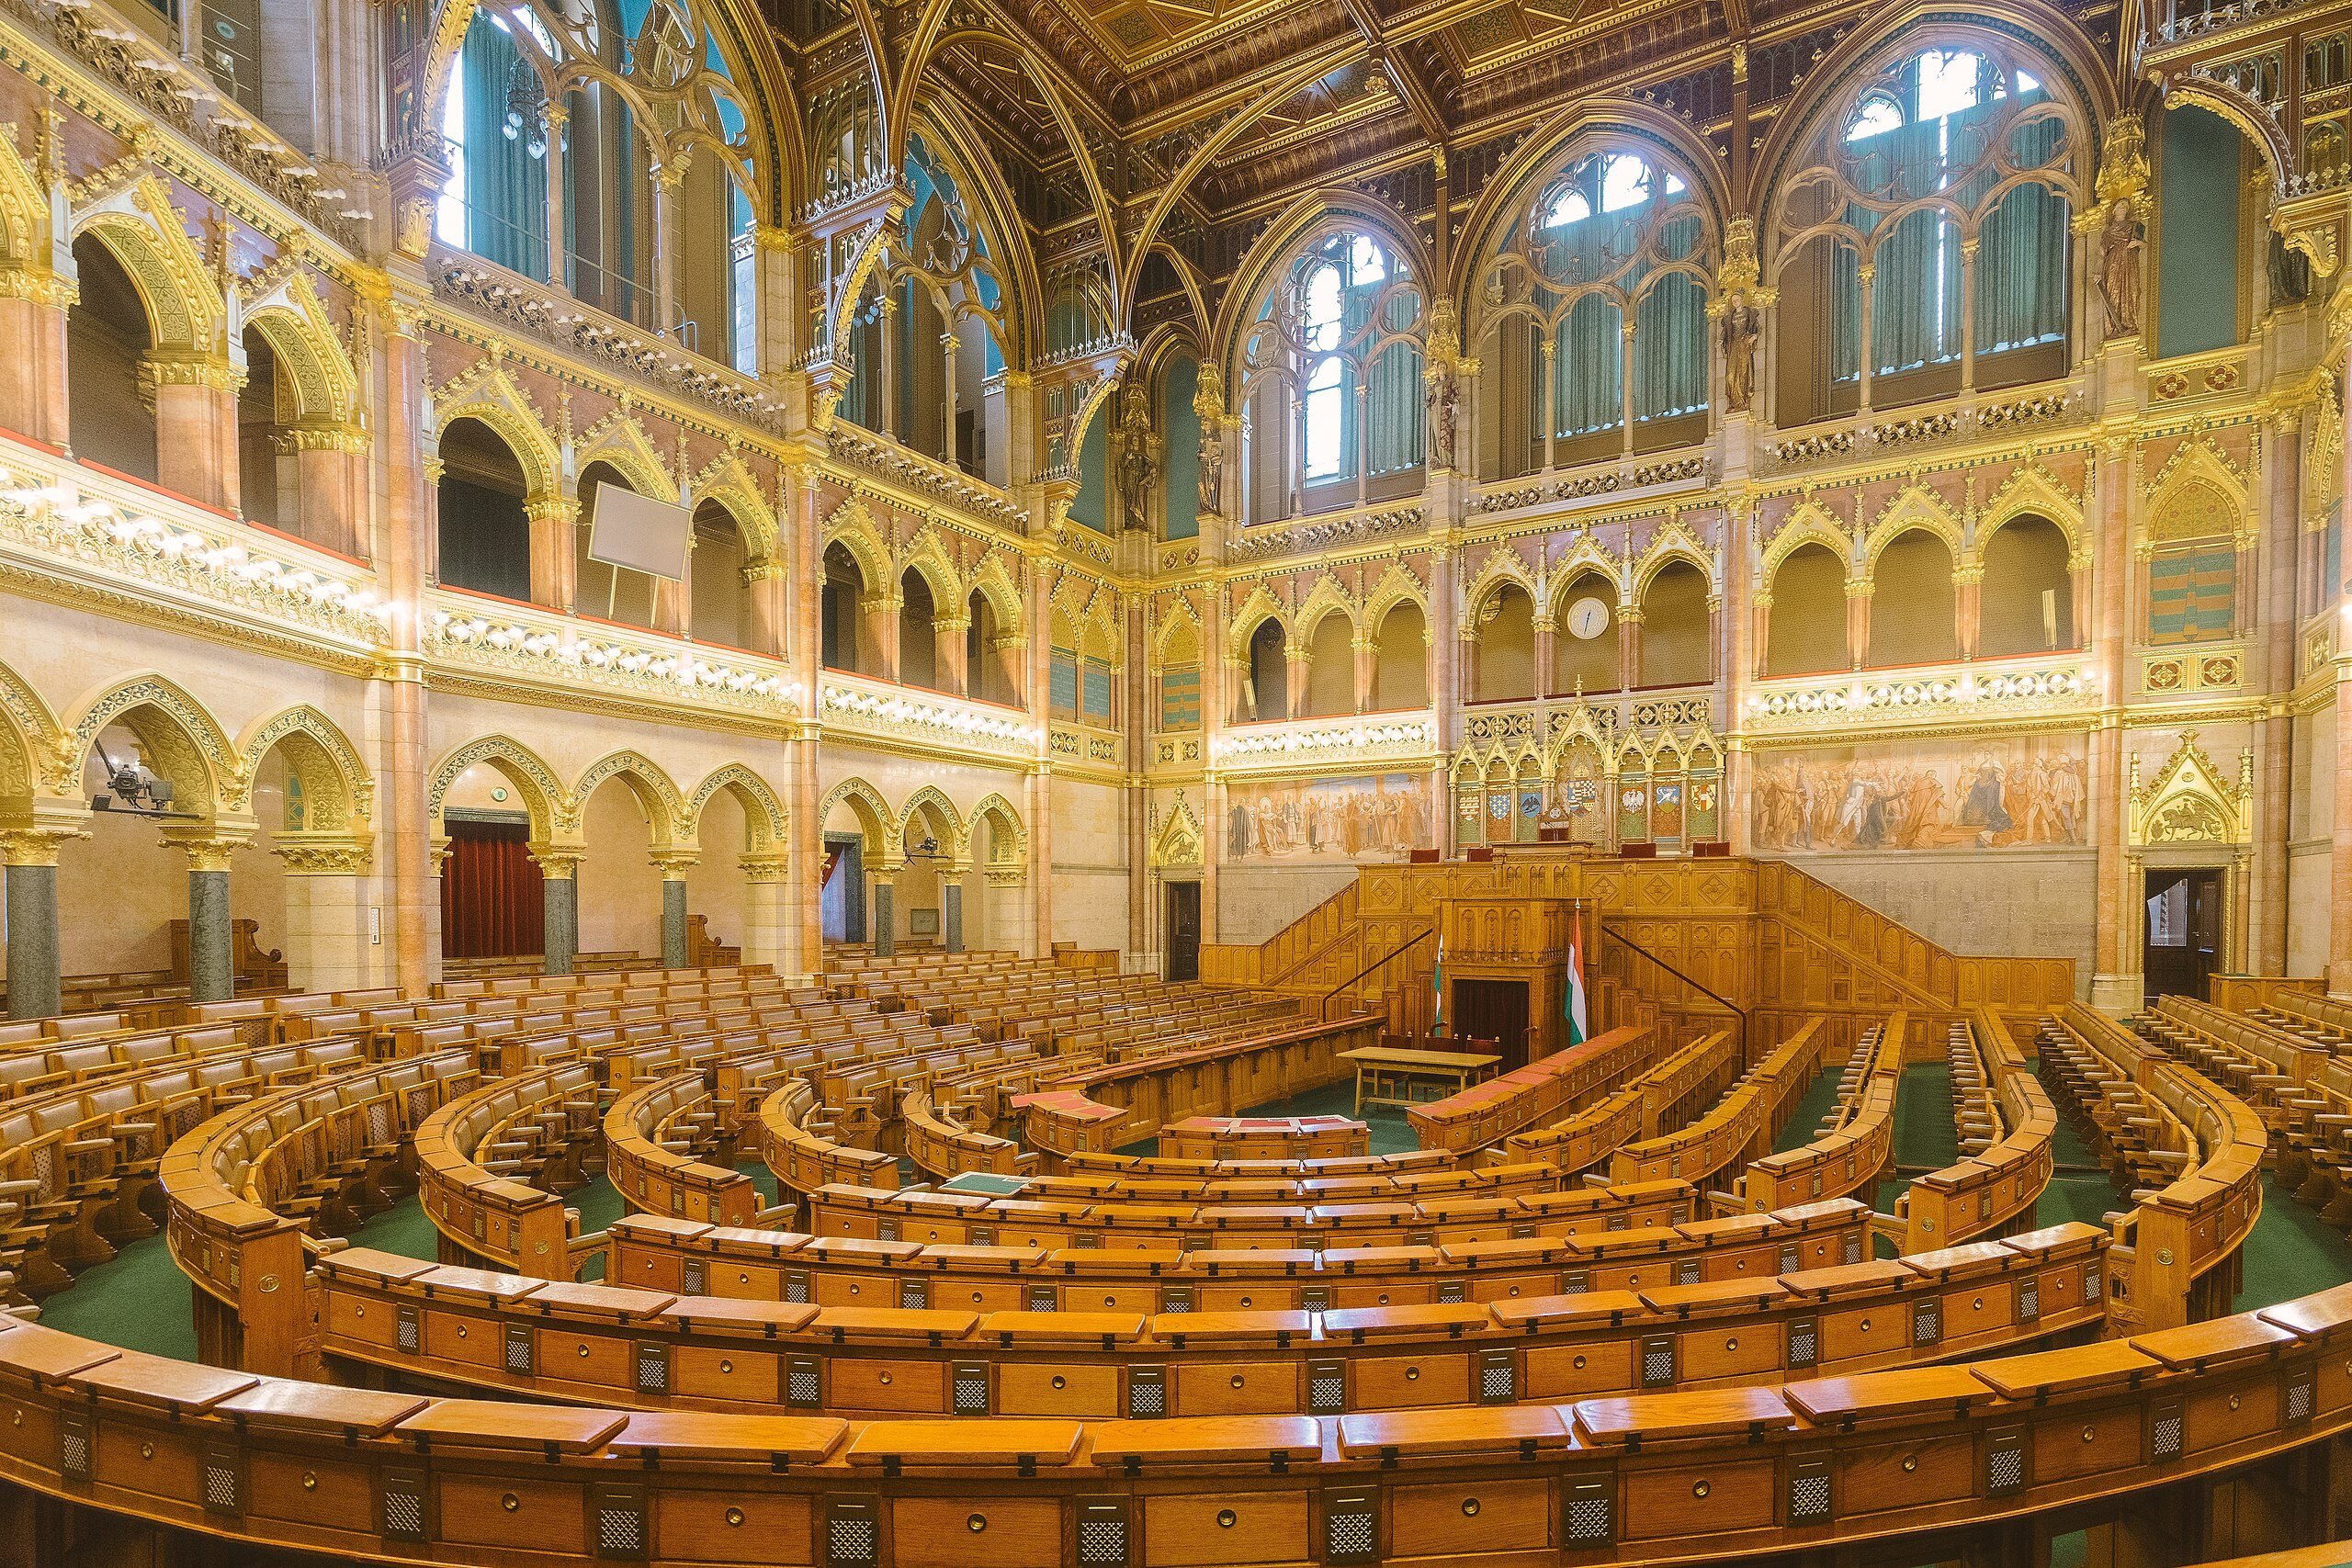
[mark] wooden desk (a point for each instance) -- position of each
(1397, 1077)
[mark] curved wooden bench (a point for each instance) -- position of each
(358, 1474)
(1736, 1129)
(796, 1141)
(655, 1140)
(1103, 1108)
(926, 1358)
(1545, 1091)
(1580, 1253)
(942, 1145)
(1264, 1137)
(507, 1212)
(2192, 1151)
(246, 1187)
(1995, 1188)
(1857, 1143)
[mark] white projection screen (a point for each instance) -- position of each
(640, 533)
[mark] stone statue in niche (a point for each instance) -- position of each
(1212, 486)
(1135, 466)
(2120, 242)
(1740, 327)
(1444, 398)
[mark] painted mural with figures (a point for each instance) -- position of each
(1361, 816)
(1935, 795)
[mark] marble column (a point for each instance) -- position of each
(35, 973)
(195, 425)
(555, 565)
(2274, 774)
(673, 868)
(2339, 865)
(212, 977)
(32, 380)
(881, 928)
(2115, 984)
(951, 932)
(561, 907)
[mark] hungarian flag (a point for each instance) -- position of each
(1572, 1006)
(1437, 977)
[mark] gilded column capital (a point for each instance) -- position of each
(325, 854)
(557, 864)
(674, 864)
(35, 846)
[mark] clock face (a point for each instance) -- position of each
(1588, 618)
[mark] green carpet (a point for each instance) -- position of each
(1804, 1123)
(2084, 1195)
(2291, 1252)
(138, 1302)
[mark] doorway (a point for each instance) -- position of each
(2182, 921)
(1183, 931)
(493, 896)
(1493, 1009)
(841, 900)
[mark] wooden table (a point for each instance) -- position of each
(1389, 1075)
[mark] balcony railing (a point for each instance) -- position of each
(1366, 740)
(876, 710)
(528, 644)
(1983, 691)
(74, 524)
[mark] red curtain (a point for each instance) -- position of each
(492, 903)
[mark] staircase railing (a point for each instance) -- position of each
(1737, 1015)
(1410, 1010)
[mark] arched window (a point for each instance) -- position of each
(268, 488)
(1266, 690)
(1611, 241)
(1807, 631)
(1936, 148)
(1677, 629)
(585, 138)
(495, 203)
(2192, 569)
(718, 596)
(1331, 669)
(1331, 380)
(841, 606)
(485, 529)
(1913, 605)
(110, 417)
(2025, 601)
(992, 671)
(1401, 668)
(918, 640)
(928, 337)
(1505, 646)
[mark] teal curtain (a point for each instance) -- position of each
(1181, 467)
(507, 189)
(1092, 505)
(1394, 411)
(1589, 368)
(1915, 298)
(2021, 271)
(1670, 349)
(2195, 247)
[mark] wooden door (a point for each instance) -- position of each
(1183, 931)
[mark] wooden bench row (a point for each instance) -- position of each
(1997, 1183)
(1544, 1091)
(926, 1353)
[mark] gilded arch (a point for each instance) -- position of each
(1916, 510)
(873, 812)
(1260, 606)
(764, 818)
(337, 793)
(487, 393)
(295, 321)
(37, 754)
(1005, 852)
(728, 485)
(542, 793)
(2029, 493)
(174, 730)
(853, 528)
(656, 796)
(25, 243)
(993, 582)
(137, 223)
(619, 442)
(1313, 213)
(1809, 524)
(931, 802)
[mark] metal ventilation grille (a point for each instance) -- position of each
(1351, 1531)
(849, 1543)
(1589, 1513)
(518, 1348)
(802, 1386)
(1804, 1343)
(970, 1392)
(653, 1369)
(914, 1294)
(2164, 1436)
(1497, 1379)
(1327, 1389)
(2298, 1399)
(1928, 1321)
(1102, 1535)
(2029, 1300)
(1809, 1492)
(220, 1484)
(1147, 1393)
(1854, 1253)
(404, 1507)
(1686, 1271)
(796, 1287)
(620, 1525)
(1658, 1362)
(404, 1330)
(697, 1278)
(2093, 1283)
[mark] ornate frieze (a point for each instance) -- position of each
(1960, 695)
(900, 717)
